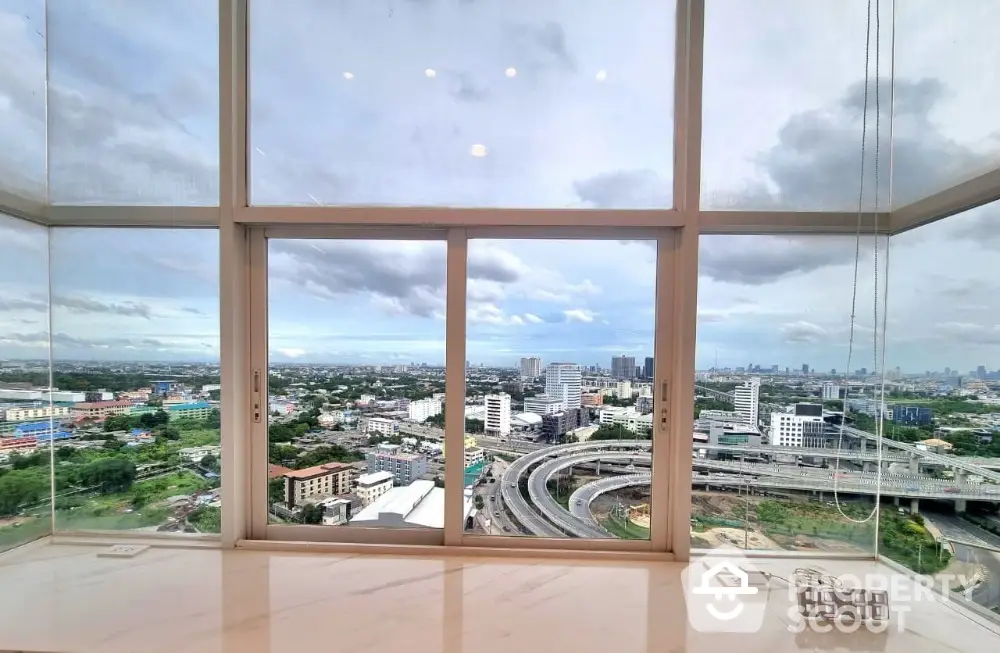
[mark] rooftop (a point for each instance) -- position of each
(374, 478)
(319, 470)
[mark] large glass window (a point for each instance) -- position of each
(356, 349)
(559, 400)
(133, 102)
(22, 98)
(776, 362)
(942, 393)
(514, 104)
(135, 349)
(784, 96)
(944, 127)
(26, 415)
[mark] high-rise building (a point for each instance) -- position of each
(805, 368)
(647, 368)
(747, 400)
(623, 367)
(981, 372)
(832, 392)
(497, 420)
(422, 409)
(531, 367)
(562, 381)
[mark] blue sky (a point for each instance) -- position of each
(453, 102)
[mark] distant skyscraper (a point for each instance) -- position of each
(947, 371)
(747, 400)
(805, 368)
(531, 367)
(623, 367)
(562, 381)
(981, 372)
(647, 368)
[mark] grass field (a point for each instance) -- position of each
(624, 530)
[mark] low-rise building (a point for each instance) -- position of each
(542, 405)
(372, 486)
(18, 414)
(474, 456)
(195, 454)
(422, 409)
(100, 409)
(404, 467)
(190, 410)
(322, 480)
(416, 505)
(379, 425)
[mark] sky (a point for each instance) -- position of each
(544, 105)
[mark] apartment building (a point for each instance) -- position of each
(321, 480)
(747, 400)
(372, 486)
(497, 410)
(542, 405)
(379, 425)
(802, 428)
(37, 412)
(563, 382)
(422, 409)
(531, 367)
(190, 410)
(404, 467)
(100, 409)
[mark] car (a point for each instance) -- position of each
(952, 490)
(493, 497)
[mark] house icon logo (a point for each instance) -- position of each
(722, 594)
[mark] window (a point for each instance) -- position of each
(356, 355)
(135, 350)
(525, 104)
(774, 325)
(794, 74)
(22, 99)
(559, 412)
(27, 415)
(944, 132)
(133, 102)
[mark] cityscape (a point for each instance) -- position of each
(782, 459)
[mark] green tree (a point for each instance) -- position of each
(214, 420)
(312, 514)
(210, 462)
(117, 423)
(474, 425)
(21, 488)
(276, 490)
(109, 474)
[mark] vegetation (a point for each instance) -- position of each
(312, 514)
(619, 432)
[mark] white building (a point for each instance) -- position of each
(831, 392)
(381, 425)
(418, 504)
(798, 429)
(497, 414)
(366, 399)
(372, 486)
(562, 382)
(542, 405)
(195, 454)
(748, 401)
(531, 367)
(624, 390)
(474, 456)
(630, 419)
(37, 412)
(422, 409)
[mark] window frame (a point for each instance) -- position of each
(240, 269)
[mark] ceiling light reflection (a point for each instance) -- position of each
(348, 76)
(510, 72)
(601, 75)
(478, 150)
(430, 72)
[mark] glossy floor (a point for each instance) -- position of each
(66, 598)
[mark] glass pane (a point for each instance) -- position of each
(356, 346)
(944, 125)
(772, 467)
(942, 394)
(26, 414)
(22, 98)
(455, 103)
(136, 351)
(783, 105)
(133, 102)
(559, 406)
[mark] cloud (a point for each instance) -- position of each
(534, 319)
(760, 260)
(802, 332)
(292, 352)
(84, 305)
(579, 315)
(517, 319)
(626, 189)
(15, 304)
(969, 333)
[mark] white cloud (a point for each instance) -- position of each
(534, 319)
(292, 352)
(579, 315)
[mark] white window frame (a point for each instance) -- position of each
(676, 315)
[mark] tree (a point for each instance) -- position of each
(214, 420)
(21, 488)
(210, 462)
(113, 444)
(276, 490)
(117, 423)
(109, 474)
(474, 425)
(280, 433)
(312, 514)
(478, 502)
(438, 481)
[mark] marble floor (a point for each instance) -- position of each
(66, 598)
